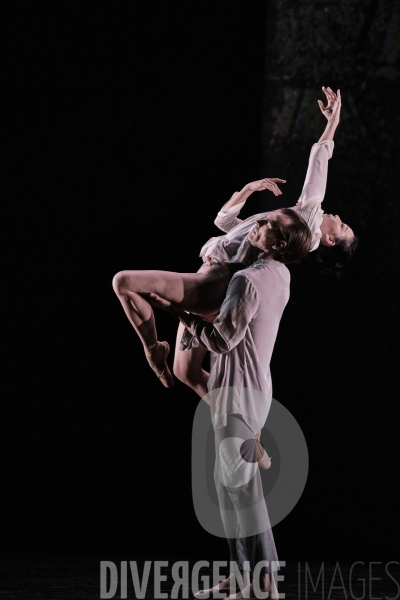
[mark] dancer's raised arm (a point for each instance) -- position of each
(227, 217)
(327, 230)
(309, 204)
(333, 238)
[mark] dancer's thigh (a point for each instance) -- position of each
(188, 363)
(201, 292)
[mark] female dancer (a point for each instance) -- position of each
(203, 292)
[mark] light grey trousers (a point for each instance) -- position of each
(240, 495)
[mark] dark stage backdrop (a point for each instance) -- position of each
(129, 125)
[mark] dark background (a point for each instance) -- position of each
(129, 126)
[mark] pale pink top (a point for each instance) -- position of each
(234, 246)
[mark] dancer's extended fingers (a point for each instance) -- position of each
(327, 94)
(276, 190)
(159, 302)
(269, 185)
(338, 104)
(332, 92)
(211, 260)
(273, 182)
(273, 188)
(278, 180)
(331, 97)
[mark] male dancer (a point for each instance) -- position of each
(241, 340)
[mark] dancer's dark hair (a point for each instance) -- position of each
(297, 235)
(332, 260)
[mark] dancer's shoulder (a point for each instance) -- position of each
(265, 269)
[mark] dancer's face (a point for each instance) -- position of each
(332, 227)
(262, 236)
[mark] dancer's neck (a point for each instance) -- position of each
(257, 255)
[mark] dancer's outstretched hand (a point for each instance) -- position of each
(159, 302)
(210, 260)
(266, 184)
(334, 102)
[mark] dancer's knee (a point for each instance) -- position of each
(119, 282)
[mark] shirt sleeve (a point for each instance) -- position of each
(312, 195)
(314, 186)
(229, 328)
(228, 220)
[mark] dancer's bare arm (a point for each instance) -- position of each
(254, 186)
(227, 218)
(314, 187)
(332, 113)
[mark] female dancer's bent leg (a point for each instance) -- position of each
(201, 293)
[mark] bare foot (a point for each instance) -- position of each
(247, 593)
(223, 586)
(268, 584)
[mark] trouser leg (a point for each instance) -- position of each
(243, 510)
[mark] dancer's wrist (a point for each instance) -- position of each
(329, 131)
